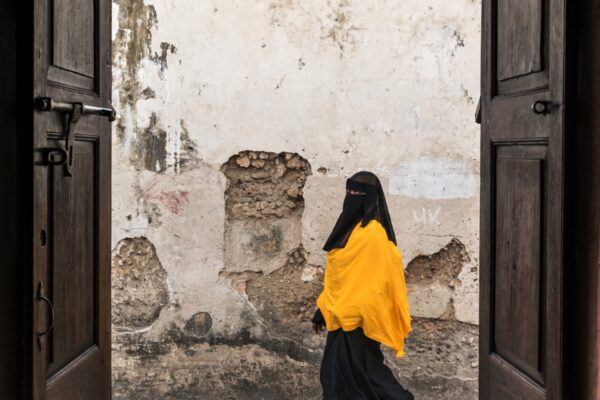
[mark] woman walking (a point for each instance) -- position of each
(364, 302)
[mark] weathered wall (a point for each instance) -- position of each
(238, 123)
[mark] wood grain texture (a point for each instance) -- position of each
(74, 50)
(518, 277)
(73, 66)
(529, 366)
(73, 262)
(519, 43)
(73, 38)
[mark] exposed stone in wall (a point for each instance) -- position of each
(139, 288)
(442, 267)
(264, 185)
(264, 257)
(263, 206)
(441, 360)
(285, 298)
(432, 279)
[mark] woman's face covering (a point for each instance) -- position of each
(353, 203)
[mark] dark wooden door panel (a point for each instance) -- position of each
(504, 386)
(518, 333)
(519, 38)
(74, 55)
(80, 380)
(73, 42)
(521, 45)
(73, 65)
(522, 201)
(73, 266)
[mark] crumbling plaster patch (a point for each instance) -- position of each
(188, 239)
(432, 279)
(263, 204)
(139, 284)
(284, 298)
(265, 260)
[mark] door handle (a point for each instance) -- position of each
(48, 104)
(72, 114)
(42, 297)
(541, 107)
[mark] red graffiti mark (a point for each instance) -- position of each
(175, 200)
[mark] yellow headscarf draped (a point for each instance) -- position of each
(365, 287)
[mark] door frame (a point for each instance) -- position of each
(583, 277)
(16, 168)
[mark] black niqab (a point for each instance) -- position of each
(363, 208)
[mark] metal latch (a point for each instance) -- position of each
(73, 112)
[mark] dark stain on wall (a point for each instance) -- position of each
(131, 45)
(148, 93)
(151, 148)
(187, 156)
(161, 60)
(267, 243)
(199, 324)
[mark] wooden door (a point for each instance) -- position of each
(71, 206)
(522, 199)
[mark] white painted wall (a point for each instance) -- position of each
(380, 85)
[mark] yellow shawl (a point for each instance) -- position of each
(365, 287)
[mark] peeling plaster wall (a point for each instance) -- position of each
(238, 123)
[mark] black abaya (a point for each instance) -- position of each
(353, 369)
